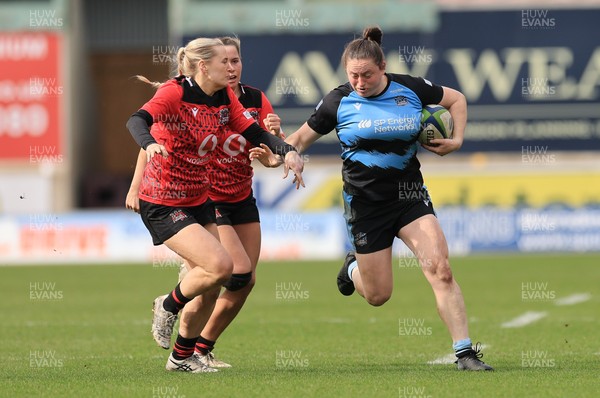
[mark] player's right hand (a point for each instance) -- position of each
(293, 161)
(443, 146)
(154, 149)
(132, 201)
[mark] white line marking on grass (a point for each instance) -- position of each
(448, 359)
(336, 320)
(445, 360)
(525, 319)
(573, 299)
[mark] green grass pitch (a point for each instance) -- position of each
(84, 331)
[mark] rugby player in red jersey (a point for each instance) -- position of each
(236, 212)
(194, 111)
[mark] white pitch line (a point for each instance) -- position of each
(525, 319)
(573, 299)
(448, 359)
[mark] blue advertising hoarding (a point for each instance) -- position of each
(531, 77)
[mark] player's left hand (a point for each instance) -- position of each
(443, 146)
(265, 156)
(273, 124)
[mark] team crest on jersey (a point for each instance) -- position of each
(254, 115)
(177, 215)
(401, 100)
(360, 239)
(224, 116)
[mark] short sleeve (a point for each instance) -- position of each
(427, 92)
(165, 101)
(239, 118)
(265, 109)
(324, 118)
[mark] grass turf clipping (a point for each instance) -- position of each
(85, 331)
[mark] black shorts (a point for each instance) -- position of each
(372, 226)
(165, 221)
(242, 212)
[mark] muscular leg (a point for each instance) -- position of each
(242, 242)
(210, 266)
(374, 279)
(425, 238)
(196, 313)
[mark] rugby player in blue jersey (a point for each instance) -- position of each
(376, 116)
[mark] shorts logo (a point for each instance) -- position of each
(360, 239)
(218, 213)
(177, 215)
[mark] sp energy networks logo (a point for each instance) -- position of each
(365, 124)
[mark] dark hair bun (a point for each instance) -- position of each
(373, 33)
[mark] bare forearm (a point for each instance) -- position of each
(456, 103)
(140, 165)
(303, 138)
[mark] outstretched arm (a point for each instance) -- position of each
(301, 139)
(292, 160)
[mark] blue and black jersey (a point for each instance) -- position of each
(378, 134)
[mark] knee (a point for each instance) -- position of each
(252, 281)
(377, 299)
(220, 270)
(439, 270)
(240, 281)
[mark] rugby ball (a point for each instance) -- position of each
(436, 122)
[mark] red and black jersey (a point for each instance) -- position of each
(230, 171)
(189, 123)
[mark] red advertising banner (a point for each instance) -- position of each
(31, 97)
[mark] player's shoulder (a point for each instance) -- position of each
(337, 94)
(251, 90)
(409, 80)
(251, 96)
(174, 86)
(342, 90)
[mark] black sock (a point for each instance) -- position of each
(184, 348)
(204, 346)
(175, 301)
